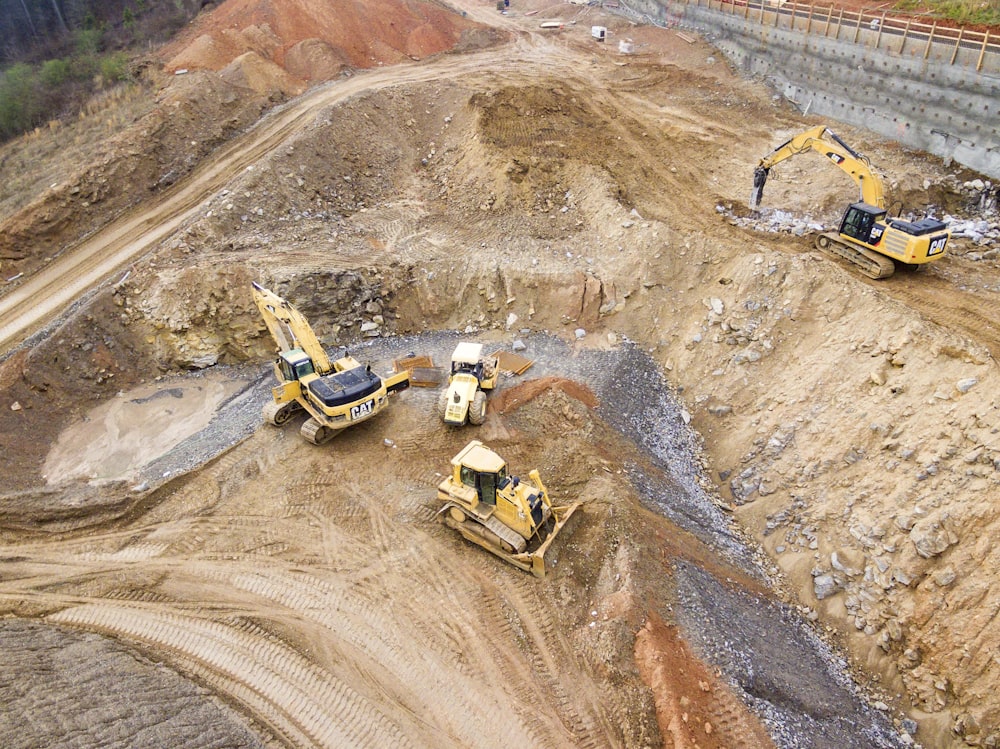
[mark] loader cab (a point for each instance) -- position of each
(863, 222)
(468, 358)
(476, 370)
(295, 364)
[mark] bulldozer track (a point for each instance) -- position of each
(549, 658)
(351, 613)
(513, 671)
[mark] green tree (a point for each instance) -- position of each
(114, 68)
(54, 72)
(18, 100)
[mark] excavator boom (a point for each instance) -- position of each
(289, 328)
(824, 141)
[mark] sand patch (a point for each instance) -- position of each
(116, 439)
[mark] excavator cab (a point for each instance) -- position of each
(336, 394)
(295, 365)
(863, 222)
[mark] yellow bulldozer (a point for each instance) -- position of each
(514, 519)
(336, 394)
(471, 376)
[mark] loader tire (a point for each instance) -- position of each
(477, 409)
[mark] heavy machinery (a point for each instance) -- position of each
(464, 399)
(515, 520)
(335, 394)
(867, 236)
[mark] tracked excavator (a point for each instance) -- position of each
(867, 236)
(513, 519)
(336, 394)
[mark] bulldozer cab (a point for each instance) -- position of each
(479, 468)
(485, 484)
(295, 364)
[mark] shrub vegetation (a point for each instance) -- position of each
(55, 54)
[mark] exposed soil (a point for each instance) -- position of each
(779, 461)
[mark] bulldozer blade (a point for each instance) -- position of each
(562, 514)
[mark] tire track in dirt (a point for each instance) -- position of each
(304, 703)
(941, 301)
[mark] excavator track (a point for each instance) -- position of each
(278, 413)
(870, 263)
(317, 433)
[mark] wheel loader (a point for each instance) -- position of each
(464, 399)
(336, 394)
(867, 237)
(514, 519)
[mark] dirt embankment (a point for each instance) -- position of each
(851, 425)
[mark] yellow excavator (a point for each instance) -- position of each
(867, 237)
(515, 520)
(336, 394)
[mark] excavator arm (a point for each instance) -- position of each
(289, 328)
(824, 141)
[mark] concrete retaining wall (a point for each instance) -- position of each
(940, 95)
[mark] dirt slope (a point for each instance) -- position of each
(547, 185)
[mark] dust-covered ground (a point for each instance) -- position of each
(779, 460)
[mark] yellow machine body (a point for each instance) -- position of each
(336, 394)
(514, 519)
(867, 236)
(471, 376)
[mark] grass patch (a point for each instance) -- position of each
(970, 12)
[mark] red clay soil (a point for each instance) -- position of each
(510, 399)
(361, 33)
(693, 708)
